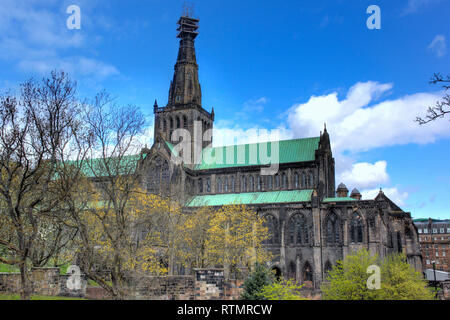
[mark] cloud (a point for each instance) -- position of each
(226, 135)
(397, 196)
(413, 6)
(34, 38)
(359, 122)
(438, 46)
(365, 175)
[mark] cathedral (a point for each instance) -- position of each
(312, 223)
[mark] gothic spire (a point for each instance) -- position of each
(185, 87)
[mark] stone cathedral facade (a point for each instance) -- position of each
(312, 223)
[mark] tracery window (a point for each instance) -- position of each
(356, 229)
(277, 181)
(296, 182)
(225, 184)
(311, 180)
(219, 185)
(185, 122)
(269, 182)
(333, 229)
(284, 181)
(208, 185)
(258, 183)
(303, 180)
(200, 185)
(272, 226)
(251, 183)
(232, 184)
(244, 184)
(298, 229)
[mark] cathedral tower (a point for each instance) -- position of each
(184, 107)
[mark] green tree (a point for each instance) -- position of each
(399, 281)
(348, 278)
(282, 290)
(254, 284)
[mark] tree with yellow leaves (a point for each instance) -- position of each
(235, 238)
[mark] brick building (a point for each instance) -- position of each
(434, 239)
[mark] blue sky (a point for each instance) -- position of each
(282, 66)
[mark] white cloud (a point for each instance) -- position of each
(224, 135)
(413, 6)
(438, 46)
(365, 175)
(358, 124)
(397, 196)
(34, 38)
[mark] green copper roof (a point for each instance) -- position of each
(338, 199)
(250, 198)
(96, 168)
(297, 150)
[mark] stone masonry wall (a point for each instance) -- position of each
(206, 284)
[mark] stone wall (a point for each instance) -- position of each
(206, 284)
(45, 281)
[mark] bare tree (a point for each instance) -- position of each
(38, 131)
(442, 107)
(110, 173)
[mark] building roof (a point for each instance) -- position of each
(296, 150)
(338, 199)
(250, 198)
(92, 168)
(342, 186)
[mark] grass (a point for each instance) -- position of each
(8, 268)
(36, 297)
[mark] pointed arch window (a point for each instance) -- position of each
(164, 125)
(356, 229)
(277, 181)
(225, 184)
(178, 123)
(258, 183)
(232, 184)
(272, 226)
(269, 182)
(200, 185)
(298, 229)
(303, 180)
(251, 183)
(284, 181)
(333, 230)
(185, 122)
(296, 182)
(208, 185)
(311, 180)
(244, 184)
(219, 185)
